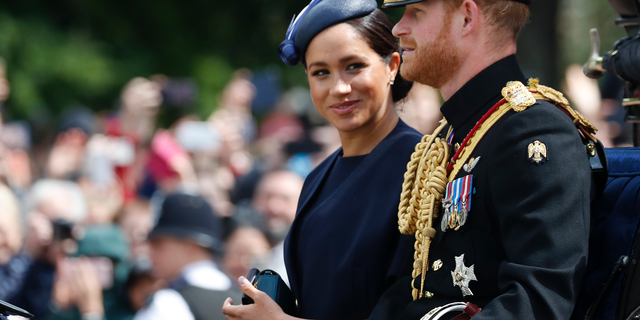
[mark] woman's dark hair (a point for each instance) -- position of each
(376, 28)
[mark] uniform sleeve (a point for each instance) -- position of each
(542, 210)
(167, 304)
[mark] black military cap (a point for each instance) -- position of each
(317, 16)
(399, 3)
(187, 216)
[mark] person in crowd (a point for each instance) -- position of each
(141, 284)
(246, 247)
(511, 237)
(136, 220)
(54, 208)
(90, 283)
(343, 249)
(67, 155)
(276, 198)
(183, 243)
(13, 265)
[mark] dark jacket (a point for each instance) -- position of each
(359, 252)
(528, 228)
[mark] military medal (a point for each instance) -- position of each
(462, 275)
(456, 203)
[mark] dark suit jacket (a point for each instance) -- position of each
(528, 228)
(360, 252)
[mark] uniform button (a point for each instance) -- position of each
(428, 294)
(437, 265)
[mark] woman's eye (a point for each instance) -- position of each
(355, 66)
(320, 72)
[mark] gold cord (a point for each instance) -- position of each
(422, 192)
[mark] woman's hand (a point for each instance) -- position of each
(264, 308)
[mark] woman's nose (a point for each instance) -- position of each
(340, 87)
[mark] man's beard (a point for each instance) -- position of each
(435, 63)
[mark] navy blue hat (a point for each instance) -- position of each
(313, 19)
(187, 216)
(399, 3)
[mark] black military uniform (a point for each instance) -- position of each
(527, 230)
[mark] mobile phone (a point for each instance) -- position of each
(198, 136)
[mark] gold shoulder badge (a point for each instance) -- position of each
(518, 96)
(537, 152)
(547, 92)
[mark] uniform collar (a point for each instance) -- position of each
(478, 95)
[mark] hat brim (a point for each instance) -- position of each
(399, 3)
(203, 240)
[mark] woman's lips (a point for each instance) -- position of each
(345, 107)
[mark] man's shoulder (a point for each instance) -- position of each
(543, 117)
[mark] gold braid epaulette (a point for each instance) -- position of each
(429, 169)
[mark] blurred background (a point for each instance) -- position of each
(108, 106)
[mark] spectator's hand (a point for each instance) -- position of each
(86, 288)
(67, 154)
(264, 307)
(141, 97)
(39, 234)
(61, 294)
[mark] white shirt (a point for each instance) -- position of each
(168, 304)
(276, 261)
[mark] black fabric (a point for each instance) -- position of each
(528, 228)
(189, 217)
(339, 172)
(206, 304)
(357, 251)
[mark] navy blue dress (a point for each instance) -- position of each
(344, 248)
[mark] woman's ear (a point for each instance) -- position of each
(394, 65)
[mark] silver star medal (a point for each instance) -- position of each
(463, 275)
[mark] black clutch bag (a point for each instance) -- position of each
(270, 282)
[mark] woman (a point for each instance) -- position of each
(344, 248)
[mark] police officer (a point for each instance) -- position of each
(509, 229)
(182, 245)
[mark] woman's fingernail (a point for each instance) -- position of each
(242, 280)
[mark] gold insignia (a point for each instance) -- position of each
(437, 265)
(428, 294)
(537, 152)
(518, 96)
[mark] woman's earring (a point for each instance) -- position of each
(391, 81)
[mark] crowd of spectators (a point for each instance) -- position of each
(77, 206)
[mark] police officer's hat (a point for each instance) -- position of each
(317, 16)
(399, 3)
(187, 216)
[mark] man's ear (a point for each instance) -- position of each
(471, 14)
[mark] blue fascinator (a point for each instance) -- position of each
(315, 17)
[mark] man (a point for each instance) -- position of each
(512, 227)
(276, 197)
(182, 246)
(88, 286)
